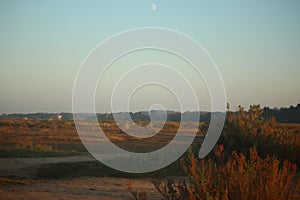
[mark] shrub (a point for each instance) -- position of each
(245, 129)
(239, 177)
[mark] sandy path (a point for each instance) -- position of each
(88, 188)
(18, 163)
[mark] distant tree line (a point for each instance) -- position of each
(283, 115)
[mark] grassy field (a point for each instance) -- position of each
(19, 138)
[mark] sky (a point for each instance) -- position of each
(255, 44)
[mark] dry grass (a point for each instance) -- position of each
(9, 181)
(35, 147)
(137, 195)
(62, 135)
(255, 161)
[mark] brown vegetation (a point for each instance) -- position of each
(236, 170)
(239, 177)
(256, 158)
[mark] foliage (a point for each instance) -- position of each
(236, 170)
(246, 129)
(238, 177)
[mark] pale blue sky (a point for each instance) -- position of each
(256, 45)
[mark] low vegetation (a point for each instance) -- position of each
(246, 129)
(61, 136)
(12, 181)
(27, 149)
(255, 158)
(238, 177)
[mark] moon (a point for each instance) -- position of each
(154, 6)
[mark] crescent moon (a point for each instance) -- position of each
(154, 6)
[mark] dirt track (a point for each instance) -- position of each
(90, 188)
(76, 188)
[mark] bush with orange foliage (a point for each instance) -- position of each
(239, 177)
(245, 129)
(235, 170)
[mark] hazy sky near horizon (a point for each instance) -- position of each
(255, 44)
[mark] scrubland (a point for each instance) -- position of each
(255, 158)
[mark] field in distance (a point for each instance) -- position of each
(37, 136)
